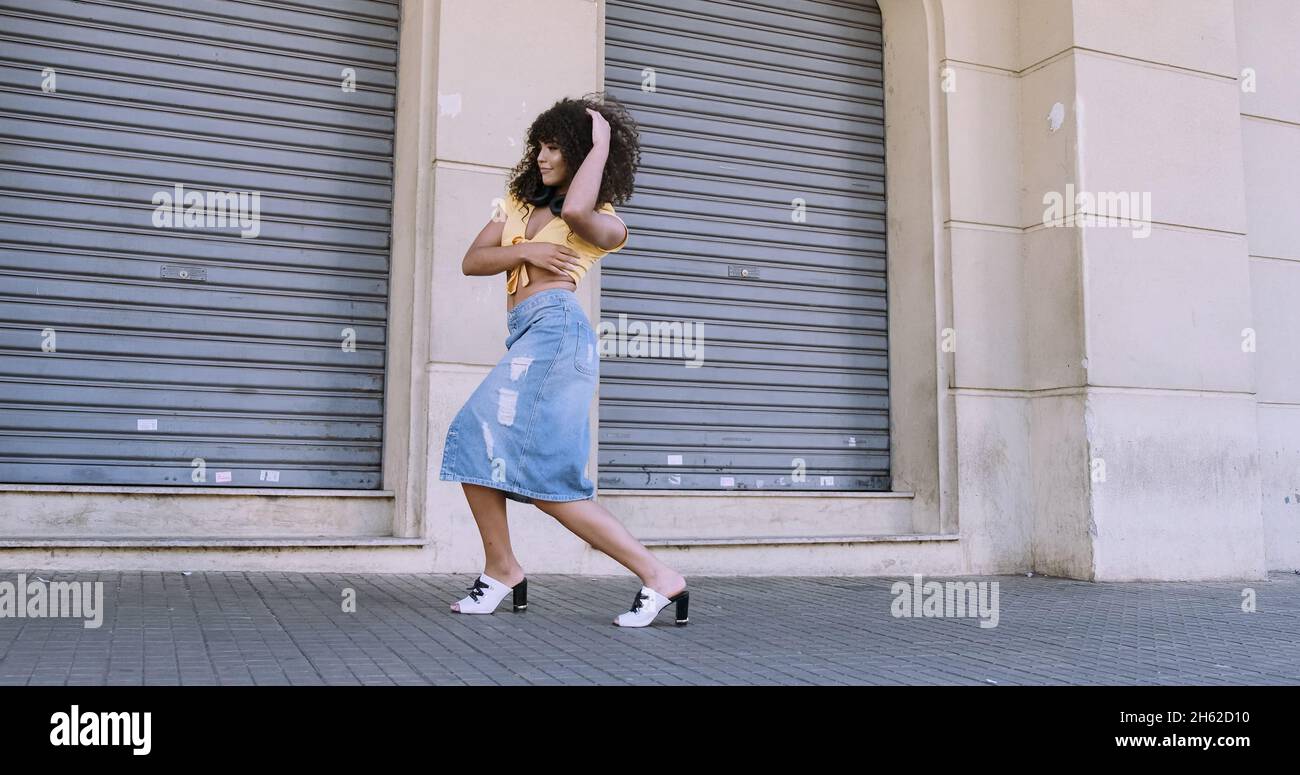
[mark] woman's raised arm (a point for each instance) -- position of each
(600, 229)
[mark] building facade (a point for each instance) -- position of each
(984, 286)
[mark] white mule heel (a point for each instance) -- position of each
(487, 593)
(648, 603)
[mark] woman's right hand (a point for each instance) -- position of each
(552, 257)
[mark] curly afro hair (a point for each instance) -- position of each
(567, 124)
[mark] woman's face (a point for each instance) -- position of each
(550, 162)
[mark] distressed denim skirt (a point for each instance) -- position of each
(525, 430)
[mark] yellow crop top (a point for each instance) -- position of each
(556, 231)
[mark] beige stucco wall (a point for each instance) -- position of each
(1171, 399)
(1170, 447)
(1080, 348)
(1073, 345)
(1267, 35)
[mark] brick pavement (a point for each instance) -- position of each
(288, 628)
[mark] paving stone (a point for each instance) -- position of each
(281, 628)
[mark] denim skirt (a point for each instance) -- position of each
(525, 429)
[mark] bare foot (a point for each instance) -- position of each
(668, 584)
(509, 577)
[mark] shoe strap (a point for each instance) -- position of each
(659, 600)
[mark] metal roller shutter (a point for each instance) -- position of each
(133, 352)
(755, 104)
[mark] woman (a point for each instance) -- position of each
(524, 433)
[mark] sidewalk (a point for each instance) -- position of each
(276, 628)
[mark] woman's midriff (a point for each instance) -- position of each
(539, 280)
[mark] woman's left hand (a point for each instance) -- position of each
(599, 128)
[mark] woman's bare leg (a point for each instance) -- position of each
(489, 507)
(594, 524)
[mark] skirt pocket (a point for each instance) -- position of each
(586, 355)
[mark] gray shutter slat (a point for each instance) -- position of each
(115, 67)
(209, 115)
(192, 148)
(243, 365)
(49, 311)
(757, 102)
(241, 25)
(177, 247)
(93, 164)
(290, 404)
(272, 206)
(63, 37)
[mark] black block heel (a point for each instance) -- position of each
(521, 596)
(683, 601)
